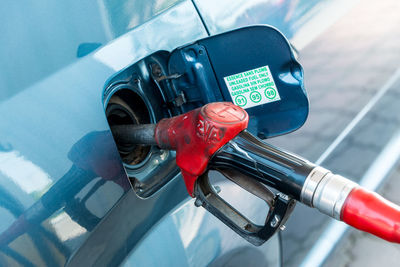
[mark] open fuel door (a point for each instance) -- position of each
(253, 67)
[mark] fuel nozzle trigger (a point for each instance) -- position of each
(280, 207)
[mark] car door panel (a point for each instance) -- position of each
(60, 165)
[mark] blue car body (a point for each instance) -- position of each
(65, 198)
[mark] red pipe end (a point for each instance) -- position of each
(370, 212)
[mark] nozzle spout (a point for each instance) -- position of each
(141, 134)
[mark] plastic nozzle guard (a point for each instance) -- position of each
(369, 212)
(198, 134)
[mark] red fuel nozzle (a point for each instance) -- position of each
(198, 134)
(369, 212)
(213, 137)
(195, 136)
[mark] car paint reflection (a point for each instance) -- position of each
(201, 239)
(92, 156)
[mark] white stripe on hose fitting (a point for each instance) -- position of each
(326, 191)
(310, 185)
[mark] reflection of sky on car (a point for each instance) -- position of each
(26, 175)
(37, 41)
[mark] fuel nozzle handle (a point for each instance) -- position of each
(313, 185)
(214, 136)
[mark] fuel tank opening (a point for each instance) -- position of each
(126, 107)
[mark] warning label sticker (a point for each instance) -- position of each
(252, 88)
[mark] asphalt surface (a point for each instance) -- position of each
(349, 68)
(358, 249)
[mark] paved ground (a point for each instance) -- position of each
(345, 67)
(358, 249)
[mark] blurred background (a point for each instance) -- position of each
(350, 51)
